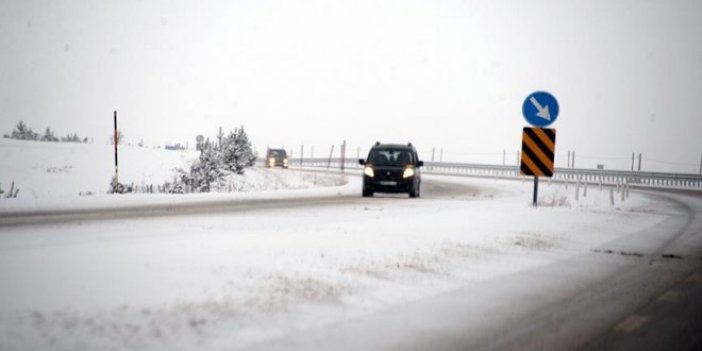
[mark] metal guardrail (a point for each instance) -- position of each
(653, 179)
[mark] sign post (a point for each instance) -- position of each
(536, 188)
(540, 109)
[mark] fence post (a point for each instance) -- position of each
(331, 152)
(632, 161)
(343, 155)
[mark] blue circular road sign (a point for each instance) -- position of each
(540, 109)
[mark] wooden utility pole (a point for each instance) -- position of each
(568, 166)
(302, 154)
(640, 161)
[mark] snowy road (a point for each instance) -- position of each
(591, 301)
(469, 266)
(163, 206)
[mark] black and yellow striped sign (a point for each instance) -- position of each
(538, 149)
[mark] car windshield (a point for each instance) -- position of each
(390, 157)
(278, 154)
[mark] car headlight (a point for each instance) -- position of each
(409, 172)
(271, 161)
(369, 172)
(285, 161)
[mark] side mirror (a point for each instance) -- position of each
(420, 163)
(361, 162)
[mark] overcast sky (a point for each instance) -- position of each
(444, 74)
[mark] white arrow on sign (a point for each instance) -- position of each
(543, 111)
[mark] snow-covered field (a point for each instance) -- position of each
(66, 170)
(68, 174)
(236, 280)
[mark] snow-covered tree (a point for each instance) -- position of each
(49, 135)
(22, 132)
(248, 154)
(230, 153)
(206, 171)
(237, 153)
(71, 138)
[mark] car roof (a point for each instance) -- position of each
(393, 146)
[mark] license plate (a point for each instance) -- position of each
(388, 182)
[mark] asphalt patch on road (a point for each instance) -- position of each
(669, 256)
(623, 253)
(631, 253)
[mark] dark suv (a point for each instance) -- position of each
(391, 168)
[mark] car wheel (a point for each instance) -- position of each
(414, 193)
